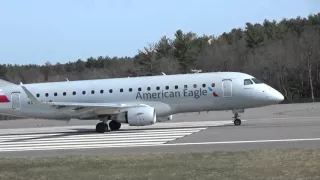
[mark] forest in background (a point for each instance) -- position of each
(284, 54)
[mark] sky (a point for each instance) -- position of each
(36, 31)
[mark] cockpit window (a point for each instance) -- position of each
(247, 82)
(256, 81)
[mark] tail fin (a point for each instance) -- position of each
(5, 83)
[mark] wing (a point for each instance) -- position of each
(88, 110)
(82, 110)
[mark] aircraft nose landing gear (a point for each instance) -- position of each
(237, 121)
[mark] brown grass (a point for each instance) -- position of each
(255, 165)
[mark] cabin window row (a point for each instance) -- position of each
(130, 90)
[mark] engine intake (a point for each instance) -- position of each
(140, 116)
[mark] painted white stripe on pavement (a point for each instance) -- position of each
(57, 141)
(142, 144)
(88, 140)
(151, 144)
(96, 135)
(125, 126)
(75, 144)
(242, 142)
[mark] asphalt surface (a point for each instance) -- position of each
(279, 126)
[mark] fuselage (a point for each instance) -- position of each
(168, 94)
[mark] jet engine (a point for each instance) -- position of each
(164, 118)
(140, 116)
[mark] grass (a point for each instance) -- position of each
(260, 164)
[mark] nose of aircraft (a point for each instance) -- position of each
(275, 96)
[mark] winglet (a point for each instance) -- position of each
(33, 99)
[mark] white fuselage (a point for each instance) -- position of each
(168, 94)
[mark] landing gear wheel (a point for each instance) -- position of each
(101, 127)
(114, 125)
(237, 122)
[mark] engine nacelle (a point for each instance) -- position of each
(140, 116)
(164, 118)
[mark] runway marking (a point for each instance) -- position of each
(279, 118)
(137, 133)
(145, 143)
(65, 129)
(70, 138)
(242, 142)
(59, 141)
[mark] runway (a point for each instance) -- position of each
(71, 138)
(186, 133)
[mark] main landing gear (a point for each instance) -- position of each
(103, 126)
(114, 125)
(237, 121)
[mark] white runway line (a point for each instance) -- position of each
(45, 142)
(60, 138)
(97, 135)
(66, 129)
(243, 142)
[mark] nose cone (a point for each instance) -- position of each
(275, 96)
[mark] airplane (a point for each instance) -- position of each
(137, 101)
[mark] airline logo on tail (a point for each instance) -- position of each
(3, 97)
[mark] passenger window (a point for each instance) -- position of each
(204, 85)
(247, 82)
(176, 87)
(213, 84)
(121, 90)
(110, 91)
(158, 88)
(148, 88)
(47, 94)
(195, 86)
(139, 89)
(92, 92)
(55, 94)
(130, 89)
(185, 86)
(64, 93)
(38, 95)
(74, 93)
(101, 91)
(83, 92)
(167, 87)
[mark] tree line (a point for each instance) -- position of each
(284, 54)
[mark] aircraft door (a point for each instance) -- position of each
(227, 87)
(248, 90)
(15, 100)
